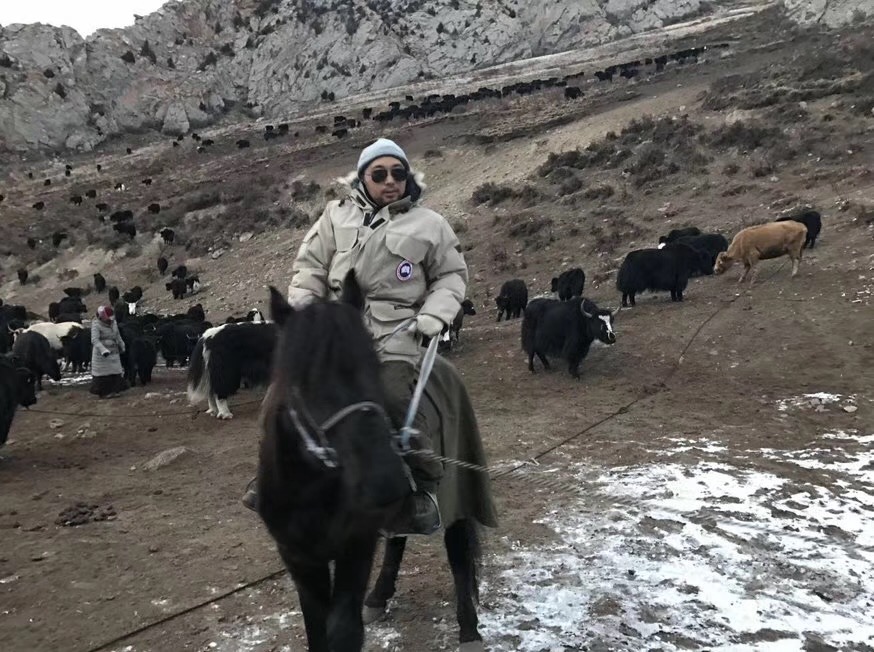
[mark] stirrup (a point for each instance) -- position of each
(410, 520)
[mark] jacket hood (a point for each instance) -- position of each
(352, 185)
(351, 180)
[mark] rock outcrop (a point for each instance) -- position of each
(832, 13)
(190, 63)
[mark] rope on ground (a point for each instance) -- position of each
(186, 611)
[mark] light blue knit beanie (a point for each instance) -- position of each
(382, 147)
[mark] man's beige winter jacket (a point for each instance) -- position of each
(408, 260)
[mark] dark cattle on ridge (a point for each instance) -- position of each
(512, 299)
(196, 313)
(168, 235)
(569, 283)
(99, 282)
(565, 329)
(32, 350)
(121, 216)
(133, 295)
(16, 388)
(178, 339)
(712, 243)
(666, 270)
(77, 349)
(126, 228)
(177, 287)
(74, 292)
(162, 265)
(809, 218)
(455, 327)
(676, 234)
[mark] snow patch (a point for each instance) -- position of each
(672, 557)
(816, 401)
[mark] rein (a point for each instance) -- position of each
(315, 437)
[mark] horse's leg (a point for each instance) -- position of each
(351, 572)
(384, 588)
(462, 549)
(313, 583)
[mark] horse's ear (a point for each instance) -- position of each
(280, 310)
(352, 293)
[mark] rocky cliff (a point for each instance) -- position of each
(832, 13)
(191, 62)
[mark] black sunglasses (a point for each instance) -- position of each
(379, 175)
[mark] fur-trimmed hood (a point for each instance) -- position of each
(350, 184)
(351, 180)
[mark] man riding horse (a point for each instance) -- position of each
(408, 262)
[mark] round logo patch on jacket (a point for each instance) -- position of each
(404, 271)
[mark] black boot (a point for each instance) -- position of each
(250, 498)
(420, 515)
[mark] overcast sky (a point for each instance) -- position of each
(85, 16)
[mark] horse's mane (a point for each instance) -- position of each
(325, 348)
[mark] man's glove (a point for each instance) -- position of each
(429, 326)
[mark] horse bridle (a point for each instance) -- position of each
(315, 437)
(316, 442)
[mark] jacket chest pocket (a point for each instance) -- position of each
(406, 246)
(345, 237)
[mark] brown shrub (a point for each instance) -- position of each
(570, 186)
(746, 136)
(301, 191)
(601, 191)
(530, 226)
(761, 166)
(496, 194)
(203, 200)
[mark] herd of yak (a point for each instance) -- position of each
(567, 327)
(238, 352)
(31, 347)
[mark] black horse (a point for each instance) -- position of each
(329, 479)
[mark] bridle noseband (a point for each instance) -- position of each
(316, 442)
(315, 437)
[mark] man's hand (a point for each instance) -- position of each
(429, 326)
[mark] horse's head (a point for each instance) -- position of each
(323, 416)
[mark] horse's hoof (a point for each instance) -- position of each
(471, 646)
(372, 614)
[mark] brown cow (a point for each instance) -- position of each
(763, 242)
